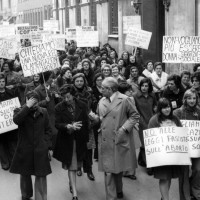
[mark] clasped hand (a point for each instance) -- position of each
(75, 126)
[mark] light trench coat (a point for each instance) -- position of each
(115, 149)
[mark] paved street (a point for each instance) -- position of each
(144, 188)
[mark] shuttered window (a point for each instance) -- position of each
(113, 9)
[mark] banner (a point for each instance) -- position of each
(71, 33)
(184, 49)
(87, 28)
(6, 31)
(193, 137)
(87, 38)
(8, 48)
(166, 146)
(131, 21)
(138, 38)
(50, 25)
(25, 31)
(39, 58)
(6, 114)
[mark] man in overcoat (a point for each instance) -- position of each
(31, 156)
(118, 116)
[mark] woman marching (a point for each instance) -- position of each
(165, 117)
(190, 111)
(72, 124)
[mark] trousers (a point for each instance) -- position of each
(27, 187)
(113, 185)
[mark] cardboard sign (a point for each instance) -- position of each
(193, 137)
(131, 21)
(71, 33)
(39, 58)
(87, 38)
(50, 25)
(138, 38)
(8, 48)
(166, 146)
(6, 31)
(87, 28)
(36, 38)
(6, 115)
(25, 31)
(184, 49)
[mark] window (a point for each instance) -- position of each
(93, 10)
(78, 13)
(113, 9)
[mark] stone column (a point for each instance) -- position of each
(180, 21)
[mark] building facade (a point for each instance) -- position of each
(8, 11)
(34, 11)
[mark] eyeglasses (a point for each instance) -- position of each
(105, 88)
(99, 79)
(106, 70)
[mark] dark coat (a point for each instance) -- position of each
(31, 156)
(64, 144)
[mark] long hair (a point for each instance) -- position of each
(189, 93)
(148, 81)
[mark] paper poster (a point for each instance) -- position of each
(87, 38)
(50, 25)
(6, 115)
(25, 31)
(7, 30)
(8, 48)
(131, 21)
(193, 137)
(71, 34)
(138, 38)
(184, 49)
(39, 58)
(166, 146)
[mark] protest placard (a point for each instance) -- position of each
(25, 31)
(40, 58)
(87, 28)
(6, 31)
(50, 25)
(193, 137)
(71, 33)
(8, 48)
(87, 38)
(183, 49)
(131, 21)
(6, 115)
(166, 146)
(59, 40)
(138, 38)
(36, 38)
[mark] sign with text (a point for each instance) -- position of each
(87, 38)
(7, 30)
(50, 25)
(131, 21)
(8, 48)
(40, 58)
(87, 28)
(6, 115)
(25, 31)
(138, 38)
(58, 39)
(183, 49)
(166, 146)
(71, 33)
(193, 137)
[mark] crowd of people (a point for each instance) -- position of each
(95, 107)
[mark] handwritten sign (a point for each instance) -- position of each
(25, 31)
(6, 115)
(6, 30)
(71, 33)
(193, 137)
(184, 49)
(39, 58)
(8, 48)
(131, 21)
(166, 146)
(58, 39)
(138, 38)
(87, 38)
(50, 25)
(87, 28)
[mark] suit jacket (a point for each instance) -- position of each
(115, 153)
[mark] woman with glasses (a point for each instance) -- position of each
(106, 70)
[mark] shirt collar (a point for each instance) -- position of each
(113, 96)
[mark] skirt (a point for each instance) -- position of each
(74, 164)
